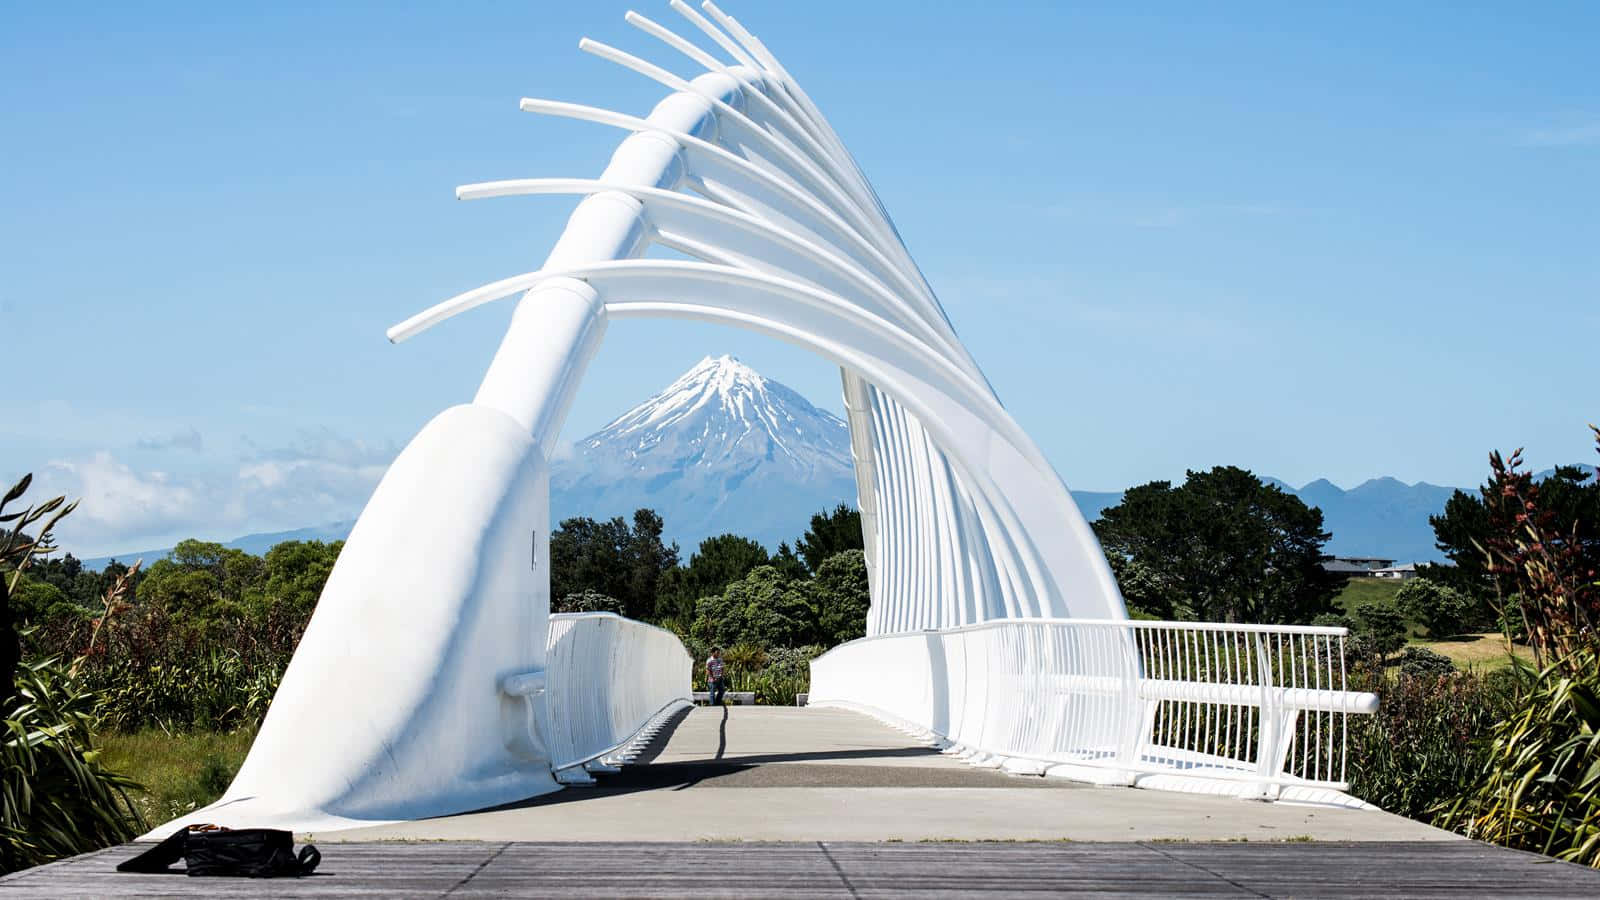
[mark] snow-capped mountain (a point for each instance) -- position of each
(721, 449)
(725, 449)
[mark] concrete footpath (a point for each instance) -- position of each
(789, 774)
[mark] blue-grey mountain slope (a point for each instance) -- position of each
(725, 449)
(721, 449)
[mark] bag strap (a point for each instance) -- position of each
(159, 858)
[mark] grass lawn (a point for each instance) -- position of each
(1478, 651)
(180, 772)
(1362, 590)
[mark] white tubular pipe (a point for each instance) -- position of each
(556, 330)
(821, 174)
(799, 206)
(662, 208)
(711, 31)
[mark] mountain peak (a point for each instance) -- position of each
(721, 448)
(722, 410)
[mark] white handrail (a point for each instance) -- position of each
(608, 679)
(1260, 707)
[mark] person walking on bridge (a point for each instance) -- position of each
(716, 681)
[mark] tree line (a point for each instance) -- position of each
(731, 590)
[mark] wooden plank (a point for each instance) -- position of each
(473, 869)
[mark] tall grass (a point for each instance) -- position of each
(1423, 746)
(177, 773)
(1538, 780)
(153, 670)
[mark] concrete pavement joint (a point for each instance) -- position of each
(481, 866)
(1197, 866)
(837, 870)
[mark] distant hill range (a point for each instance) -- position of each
(724, 448)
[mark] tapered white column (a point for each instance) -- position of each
(557, 326)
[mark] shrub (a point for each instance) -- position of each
(153, 670)
(1438, 608)
(1420, 661)
(1538, 787)
(587, 601)
(1379, 627)
(1421, 746)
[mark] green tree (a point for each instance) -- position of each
(832, 531)
(587, 601)
(1379, 627)
(295, 573)
(1569, 497)
(1142, 588)
(1439, 608)
(204, 582)
(718, 562)
(612, 559)
(788, 562)
(841, 597)
(1223, 546)
(35, 602)
(765, 607)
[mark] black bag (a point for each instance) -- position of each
(212, 850)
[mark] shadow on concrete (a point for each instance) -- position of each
(816, 768)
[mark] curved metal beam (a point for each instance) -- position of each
(812, 212)
(669, 208)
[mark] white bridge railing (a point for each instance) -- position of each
(1246, 709)
(608, 679)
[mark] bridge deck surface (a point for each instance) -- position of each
(766, 802)
(756, 773)
(827, 869)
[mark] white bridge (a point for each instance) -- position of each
(432, 678)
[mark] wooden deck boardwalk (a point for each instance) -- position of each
(1450, 869)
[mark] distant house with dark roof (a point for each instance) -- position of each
(1399, 573)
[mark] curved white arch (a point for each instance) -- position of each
(1018, 485)
(625, 278)
(964, 519)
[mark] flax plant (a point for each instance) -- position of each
(56, 798)
(1539, 788)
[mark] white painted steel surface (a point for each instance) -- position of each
(609, 677)
(1261, 708)
(963, 517)
(421, 686)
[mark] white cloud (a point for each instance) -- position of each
(320, 477)
(114, 499)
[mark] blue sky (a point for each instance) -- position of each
(1316, 243)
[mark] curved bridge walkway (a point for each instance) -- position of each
(761, 801)
(762, 773)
